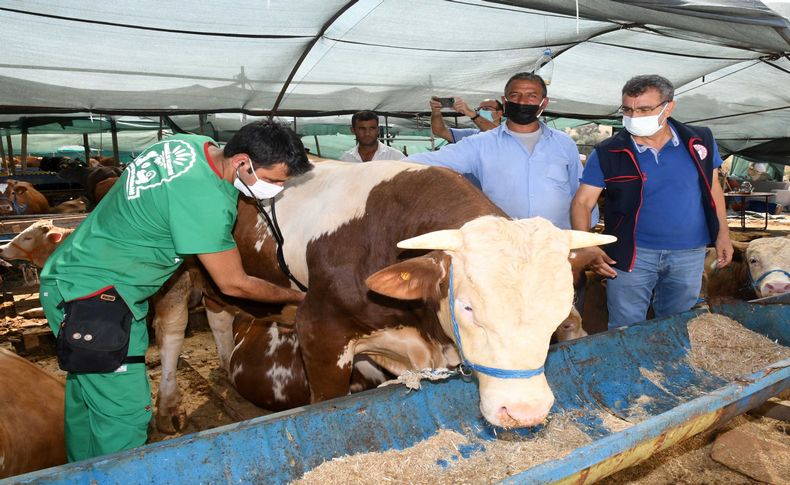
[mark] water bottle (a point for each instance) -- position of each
(544, 66)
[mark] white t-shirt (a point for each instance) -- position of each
(383, 152)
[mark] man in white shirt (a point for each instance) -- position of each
(365, 127)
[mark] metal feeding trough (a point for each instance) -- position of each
(644, 366)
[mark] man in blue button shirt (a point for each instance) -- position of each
(663, 202)
(524, 167)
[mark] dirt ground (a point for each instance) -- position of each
(210, 401)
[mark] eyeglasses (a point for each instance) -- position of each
(641, 110)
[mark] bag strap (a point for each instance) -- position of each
(134, 359)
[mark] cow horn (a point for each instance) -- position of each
(448, 240)
(583, 239)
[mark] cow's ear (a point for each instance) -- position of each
(413, 279)
(20, 189)
(55, 237)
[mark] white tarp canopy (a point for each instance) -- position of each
(729, 60)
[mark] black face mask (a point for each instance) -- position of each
(522, 114)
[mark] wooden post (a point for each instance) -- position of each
(11, 164)
(159, 133)
(114, 130)
(86, 145)
(24, 149)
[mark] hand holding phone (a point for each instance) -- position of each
(445, 102)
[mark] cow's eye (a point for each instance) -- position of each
(466, 307)
(753, 260)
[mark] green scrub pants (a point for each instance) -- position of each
(104, 413)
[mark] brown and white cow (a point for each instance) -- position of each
(266, 364)
(760, 268)
(31, 417)
(22, 198)
(342, 225)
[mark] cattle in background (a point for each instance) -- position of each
(88, 177)
(22, 198)
(4, 267)
(31, 417)
(35, 243)
(53, 164)
(759, 269)
(103, 162)
(103, 187)
(73, 206)
(376, 243)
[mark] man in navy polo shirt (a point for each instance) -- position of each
(663, 202)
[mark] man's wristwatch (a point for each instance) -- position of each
(476, 116)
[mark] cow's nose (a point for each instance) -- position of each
(776, 288)
(521, 415)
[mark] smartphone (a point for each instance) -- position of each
(446, 102)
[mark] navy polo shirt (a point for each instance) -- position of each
(671, 216)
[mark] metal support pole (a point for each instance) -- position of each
(159, 133)
(11, 164)
(86, 145)
(317, 146)
(114, 130)
(387, 130)
(24, 149)
(3, 161)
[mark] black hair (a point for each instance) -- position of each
(637, 85)
(527, 76)
(269, 143)
(365, 115)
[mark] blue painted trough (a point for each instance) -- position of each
(601, 375)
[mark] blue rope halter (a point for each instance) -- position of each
(756, 284)
(484, 369)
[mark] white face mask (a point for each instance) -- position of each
(644, 125)
(259, 190)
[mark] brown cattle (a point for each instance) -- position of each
(31, 417)
(103, 187)
(266, 364)
(88, 177)
(74, 206)
(22, 198)
(343, 225)
(103, 162)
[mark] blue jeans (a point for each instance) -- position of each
(670, 278)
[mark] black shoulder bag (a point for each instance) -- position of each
(94, 334)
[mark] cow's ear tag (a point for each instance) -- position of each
(405, 276)
(55, 236)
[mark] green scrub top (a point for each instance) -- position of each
(168, 203)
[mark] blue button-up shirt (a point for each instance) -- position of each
(522, 184)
